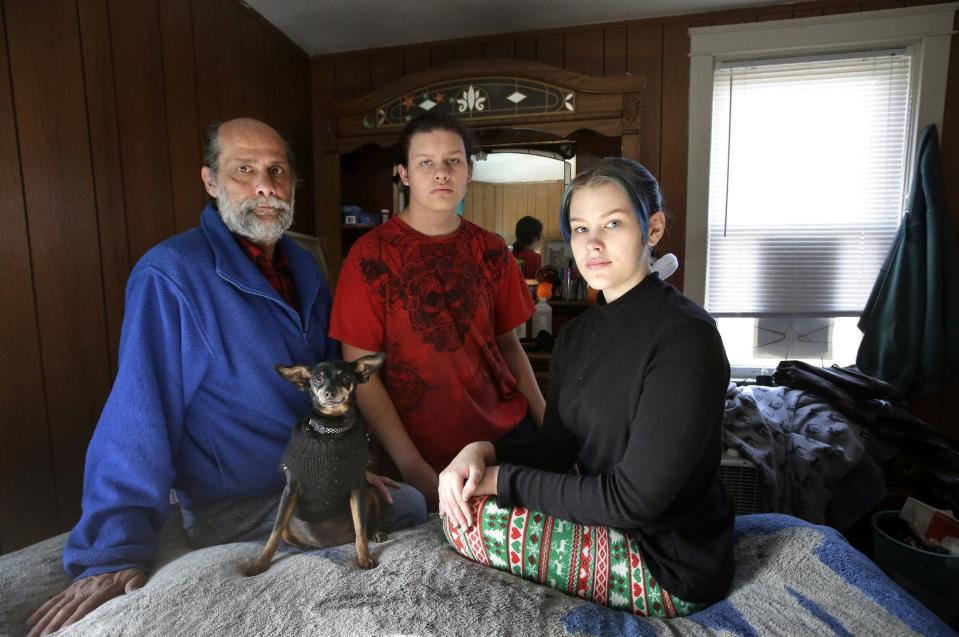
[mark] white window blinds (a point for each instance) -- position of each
(807, 167)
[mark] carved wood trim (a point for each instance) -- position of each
(608, 105)
(486, 68)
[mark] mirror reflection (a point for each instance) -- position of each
(511, 184)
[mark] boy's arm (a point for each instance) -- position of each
(381, 415)
(519, 365)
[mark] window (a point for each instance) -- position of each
(799, 158)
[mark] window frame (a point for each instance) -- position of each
(926, 30)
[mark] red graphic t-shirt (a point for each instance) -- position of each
(434, 305)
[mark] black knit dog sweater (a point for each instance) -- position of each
(325, 468)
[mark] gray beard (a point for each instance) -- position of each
(241, 219)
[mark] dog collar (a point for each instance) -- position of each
(318, 427)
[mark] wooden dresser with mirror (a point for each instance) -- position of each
(514, 107)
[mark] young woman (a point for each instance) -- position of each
(529, 234)
(635, 398)
(441, 297)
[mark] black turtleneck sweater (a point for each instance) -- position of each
(636, 391)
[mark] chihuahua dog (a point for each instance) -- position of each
(325, 465)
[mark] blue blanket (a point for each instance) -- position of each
(792, 578)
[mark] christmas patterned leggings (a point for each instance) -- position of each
(594, 563)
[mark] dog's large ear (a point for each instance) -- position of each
(366, 366)
(299, 375)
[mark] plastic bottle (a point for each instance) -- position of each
(542, 318)
(385, 215)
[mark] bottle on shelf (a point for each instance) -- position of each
(542, 317)
(566, 283)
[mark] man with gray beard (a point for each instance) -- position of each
(196, 406)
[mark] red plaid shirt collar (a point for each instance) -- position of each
(277, 271)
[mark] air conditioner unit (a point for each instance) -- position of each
(793, 337)
(744, 483)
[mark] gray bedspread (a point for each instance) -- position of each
(792, 578)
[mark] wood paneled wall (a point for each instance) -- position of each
(101, 108)
(498, 207)
(658, 48)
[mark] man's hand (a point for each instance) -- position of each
(81, 597)
(424, 478)
(380, 483)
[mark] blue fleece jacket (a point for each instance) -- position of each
(196, 404)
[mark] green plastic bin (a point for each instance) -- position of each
(932, 578)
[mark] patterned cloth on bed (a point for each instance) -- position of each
(804, 449)
(792, 578)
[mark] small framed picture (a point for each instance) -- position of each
(556, 253)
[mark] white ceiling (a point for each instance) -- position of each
(329, 26)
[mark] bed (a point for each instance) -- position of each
(792, 578)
